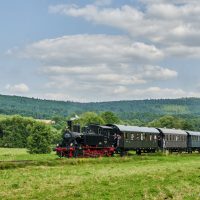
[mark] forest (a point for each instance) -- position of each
(144, 110)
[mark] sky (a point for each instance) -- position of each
(103, 50)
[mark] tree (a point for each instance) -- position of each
(109, 117)
(14, 131)
(167, 122)
(60, 122)
(89, 118)
(39, 140)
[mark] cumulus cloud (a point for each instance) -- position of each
(150, 72)
(182, 51)
(87, 49)
(100, 67)
(85, 64)
(18, 88)
(162, 22)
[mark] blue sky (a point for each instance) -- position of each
(100, 50)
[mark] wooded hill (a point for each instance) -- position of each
(145, 110)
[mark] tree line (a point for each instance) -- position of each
(21, 132)
(143, 110)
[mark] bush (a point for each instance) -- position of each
(39, 140)
(13, 131)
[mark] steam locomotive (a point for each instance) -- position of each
(96, 140)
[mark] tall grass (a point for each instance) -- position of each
(152, 177)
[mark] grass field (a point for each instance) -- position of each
(135, 177)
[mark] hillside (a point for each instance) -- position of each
(140, 109)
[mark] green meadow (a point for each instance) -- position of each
(25, 176)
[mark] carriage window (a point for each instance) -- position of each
(166, 137)
(138, 136)
(126, 135)
(147, 136)
(142, 136)
(150, 137)
(155, 137)
(132, 136)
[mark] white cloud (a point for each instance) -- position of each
(122, 93)
(85, 64)
(86, 49)
(183, 51)
(152, 93)
(157, 73)
(62, 70)
(120, 90)
(114, 67)
(161, 22)
(18, 88)
(157, 92)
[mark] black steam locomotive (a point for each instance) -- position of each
(93, 141)
(97, 140)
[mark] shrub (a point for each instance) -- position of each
(39, 140)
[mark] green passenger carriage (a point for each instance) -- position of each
(141, 139)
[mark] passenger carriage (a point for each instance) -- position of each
(193, 141)
(140, 139)
(173, 139)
